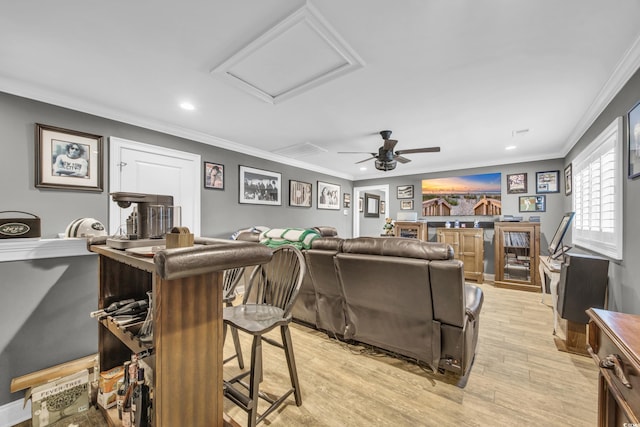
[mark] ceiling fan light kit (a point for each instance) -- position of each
(386, 159)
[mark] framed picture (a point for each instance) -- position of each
(360, 204)
(260, 187)
(517, 183)
(299, 194)
(405, 192)
(633, 131)
(382, 207)
(548, 182)
(328, 196)
(406, 205)
(346, 200)
(532, 203)
(371, 205)
(213, 176)
(568, 180)
(68, 159)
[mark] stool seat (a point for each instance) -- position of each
(255, 319)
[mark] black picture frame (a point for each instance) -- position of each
(259, 187)
(371, 205)
(68, 159)
(548, 182)
(213, 176)
(532, 203)
(633, 136)
(568, 179)
(517, 183)
(360, 204)
(328, 196)
(300, 194)
(346, 200)
(404, 192)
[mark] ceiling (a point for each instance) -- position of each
(315, 78)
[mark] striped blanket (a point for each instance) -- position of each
(298, 237)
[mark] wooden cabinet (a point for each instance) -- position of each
(468, 247)
(614, 344)
(517, 252)
(187, 335)
(411, 229)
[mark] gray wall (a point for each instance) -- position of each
(624, 286)
(548, 220)
(45, 303)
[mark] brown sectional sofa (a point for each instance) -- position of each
(402, 295)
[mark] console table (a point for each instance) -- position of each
(614, 344)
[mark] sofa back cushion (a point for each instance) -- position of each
(398, 247)
(388, 301)
(331, 313)
(448, 290)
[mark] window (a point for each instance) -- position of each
(597, 193)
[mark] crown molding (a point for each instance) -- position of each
(628, 65)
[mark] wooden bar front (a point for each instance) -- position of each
(187, 335)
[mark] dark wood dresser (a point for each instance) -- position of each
(614, 344)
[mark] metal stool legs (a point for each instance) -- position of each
(236, 346)
(250, 402)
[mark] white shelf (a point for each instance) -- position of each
(28, 249)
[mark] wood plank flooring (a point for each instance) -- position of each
(518, 378)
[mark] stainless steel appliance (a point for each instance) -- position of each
(144, 221)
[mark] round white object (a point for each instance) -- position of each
(85, 227)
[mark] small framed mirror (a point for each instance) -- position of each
(371, 205)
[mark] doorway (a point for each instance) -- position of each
(358, 193)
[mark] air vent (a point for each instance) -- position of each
(300, 150)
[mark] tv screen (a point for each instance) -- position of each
(556, 241)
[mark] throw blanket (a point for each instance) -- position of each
(301, 238)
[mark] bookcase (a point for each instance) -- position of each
(468, 247)
(517, 251)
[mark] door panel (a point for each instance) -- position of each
(144, 168)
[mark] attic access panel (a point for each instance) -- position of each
(298, 54)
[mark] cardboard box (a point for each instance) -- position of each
(59, 399)
(108, 386)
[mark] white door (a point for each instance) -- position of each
(142, 168)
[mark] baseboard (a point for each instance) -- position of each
(13, 413)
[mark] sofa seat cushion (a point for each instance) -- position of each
(398, 247)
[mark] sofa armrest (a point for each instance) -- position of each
(474, 298)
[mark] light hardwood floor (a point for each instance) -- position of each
(518, 378)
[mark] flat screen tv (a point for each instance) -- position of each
(556, 242)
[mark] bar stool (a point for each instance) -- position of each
(267, 303)
(230, 281)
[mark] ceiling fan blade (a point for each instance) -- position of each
(419, 150)
(401, 159)
(356, 152)
(389, 144)
(366, 160)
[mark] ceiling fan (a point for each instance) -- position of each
(386, 159)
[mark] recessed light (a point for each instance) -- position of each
(187, 106)
(363, 168)
(510, 147)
